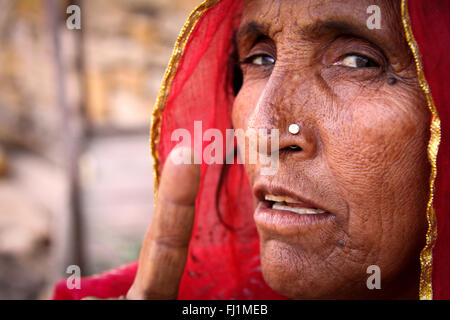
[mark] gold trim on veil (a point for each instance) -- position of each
(161, 100)
(425, 288)
(426, 258)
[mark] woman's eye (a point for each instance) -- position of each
(261, 60)
(357, 61)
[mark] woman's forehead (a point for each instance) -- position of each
(312, 18)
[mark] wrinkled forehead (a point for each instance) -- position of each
(314, 18)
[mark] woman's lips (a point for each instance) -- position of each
(288, 204)
(283, 217)
(297, 210)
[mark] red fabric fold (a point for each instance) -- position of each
(429, 22)
(111, 284)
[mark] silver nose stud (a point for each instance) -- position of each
(294, 128)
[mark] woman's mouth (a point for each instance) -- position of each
(285, 216)
(288, 204)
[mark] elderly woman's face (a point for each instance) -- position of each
(360, 154)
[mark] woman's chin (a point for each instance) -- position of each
(299, 276)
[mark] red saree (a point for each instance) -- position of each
(223, 260)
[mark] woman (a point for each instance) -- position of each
(358, 180)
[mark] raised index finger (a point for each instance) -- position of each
(164, 251)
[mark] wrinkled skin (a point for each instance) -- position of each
(363, 141)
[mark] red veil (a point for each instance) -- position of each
(223, 260)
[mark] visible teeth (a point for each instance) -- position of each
(281, 203)
(271, 197)
(297, 210)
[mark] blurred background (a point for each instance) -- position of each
(76, 184)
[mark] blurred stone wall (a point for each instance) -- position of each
(28, 110)
(125, 47)
(127, 44)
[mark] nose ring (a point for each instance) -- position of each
(294, 128)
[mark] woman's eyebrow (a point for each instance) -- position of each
(317, 30)
(320, 29)
(251, 29)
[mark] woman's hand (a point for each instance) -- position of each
(164, 251)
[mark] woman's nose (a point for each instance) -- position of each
(297, 134)
(298, 137)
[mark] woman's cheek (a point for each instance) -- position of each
(378, 160)
(244, 105)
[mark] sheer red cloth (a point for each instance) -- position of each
(223, 260)
(429, 20)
